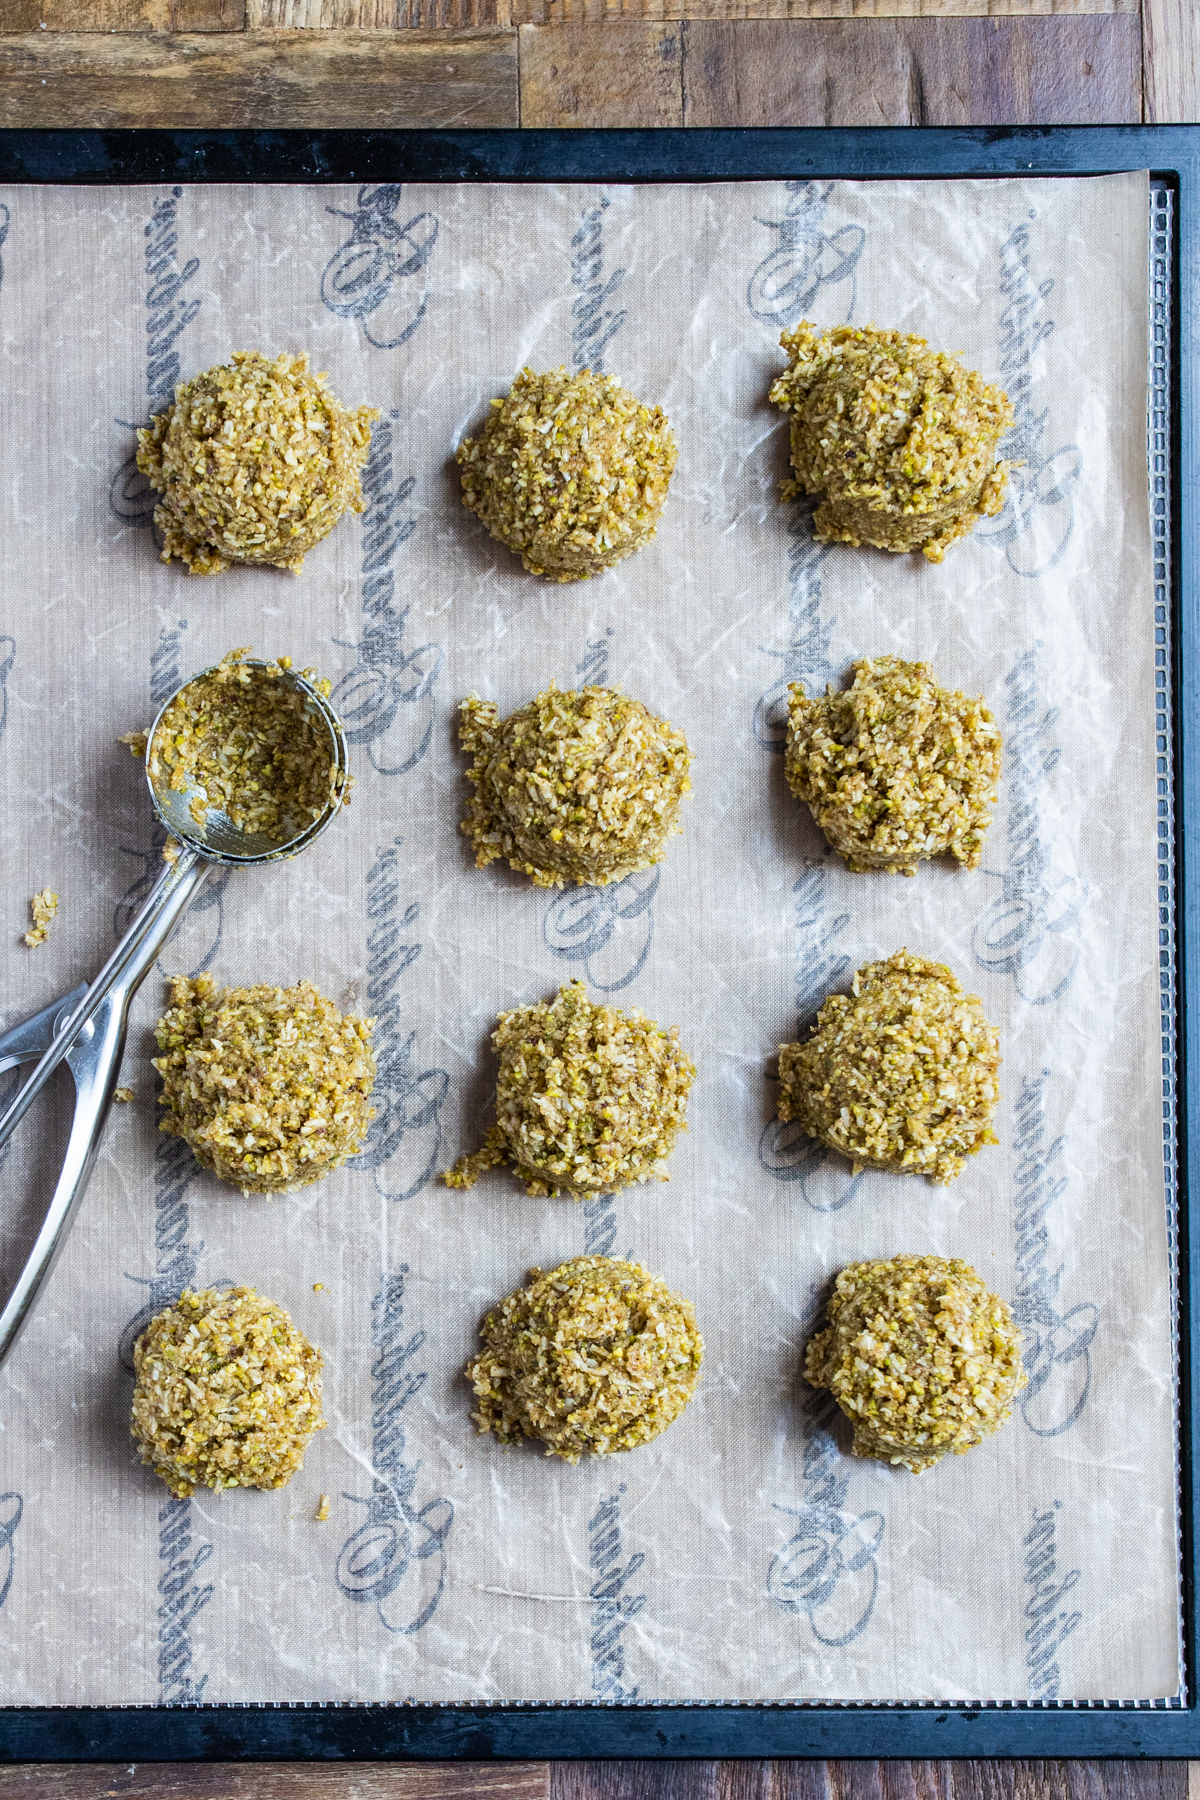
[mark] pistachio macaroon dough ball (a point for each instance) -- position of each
(899, 441)
(920, 1357)
(570, 472)
(268, 1086)
(895, 768)
(583, 786)
(596, 1356)
(901, 1074)
(588, 1098)
(228, 1392)
(256, 462)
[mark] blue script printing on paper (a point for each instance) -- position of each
(1057, 1350)
(379, 276)
(386, 701)
(1031, 930)
(396, 1560)
(785, 1151)
(407, 1101)
(613, 1610)
(169, 313)
(1048, 1623)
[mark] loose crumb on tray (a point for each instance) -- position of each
(43, 907)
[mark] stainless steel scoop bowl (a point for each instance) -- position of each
(86, 1028)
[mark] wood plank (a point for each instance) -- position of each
(373, 15)
(1009, 71)
(276, 1781)
(260, 79)
(666, 1780)
(562, 12)
(1172, 46)
(627, 73)
(122, 15)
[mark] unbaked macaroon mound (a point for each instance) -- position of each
(901, 1074)
(595, 1357)
(582, 786)
(588, 1098)
(895, 768)
(268, 1086)
(899, 441)
(228, 1392)
(256, 462)
(920, 1357)
(569, 471)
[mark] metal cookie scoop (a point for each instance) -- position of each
(86, 1028)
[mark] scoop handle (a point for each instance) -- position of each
(125, 970)
(92, 1041)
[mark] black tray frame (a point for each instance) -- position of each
(293, 1732)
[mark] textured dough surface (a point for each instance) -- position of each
(901, 1074)
(570, 472)
(897, 440)
(596, 1356)
(920, 1357)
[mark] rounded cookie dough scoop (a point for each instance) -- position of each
(256, 461)
(900, 1074)
(897, 441)
(588, 1098)
(228, 1392)
(895, 769)
(594, 1357)
(582, 786)
(570, 472)
(269, 1087)
(920, 1357)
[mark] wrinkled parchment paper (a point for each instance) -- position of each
(744, 1555)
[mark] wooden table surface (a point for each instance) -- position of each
(513, 63)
